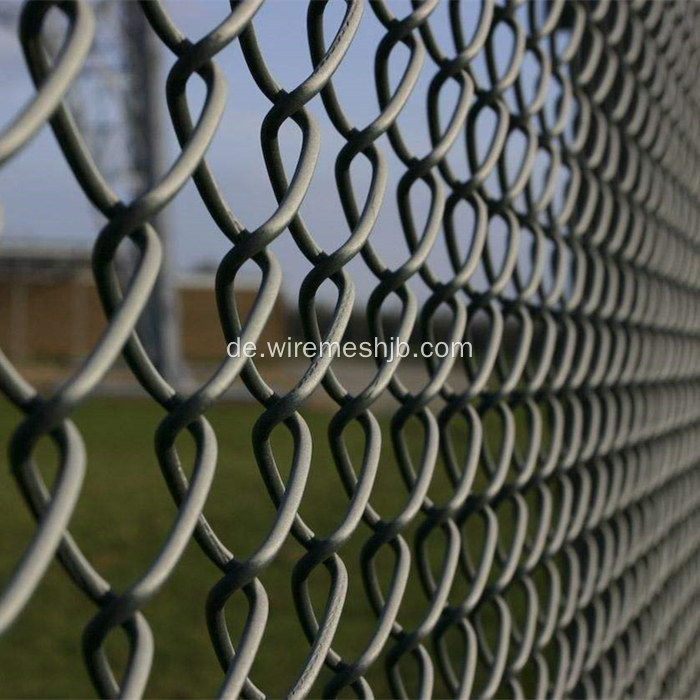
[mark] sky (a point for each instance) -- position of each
(41, 201)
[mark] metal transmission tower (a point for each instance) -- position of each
(115, 101)
(144, 125)
(120, 106)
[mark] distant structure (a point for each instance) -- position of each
(44, 313)
(116, 102)
(50, 311)
(121, 110)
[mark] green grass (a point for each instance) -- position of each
(121, 520)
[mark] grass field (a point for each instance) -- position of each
(120, 522)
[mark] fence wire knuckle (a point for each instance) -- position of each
(576, 154)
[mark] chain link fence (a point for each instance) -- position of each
(565, 559)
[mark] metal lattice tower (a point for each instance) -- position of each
(115, 103)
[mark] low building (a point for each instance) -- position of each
(50, 310)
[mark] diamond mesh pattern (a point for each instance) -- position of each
(579, 271)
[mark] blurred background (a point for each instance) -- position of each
(48, 226)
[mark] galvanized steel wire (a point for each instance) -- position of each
(601, 472)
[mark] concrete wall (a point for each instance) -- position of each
(202, 337)
(59, 319)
